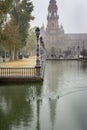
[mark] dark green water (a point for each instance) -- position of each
(59, 103)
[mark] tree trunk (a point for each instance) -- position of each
(12, 54)
(16, 55)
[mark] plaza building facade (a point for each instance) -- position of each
(57, 42)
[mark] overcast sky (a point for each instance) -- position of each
(72, 14)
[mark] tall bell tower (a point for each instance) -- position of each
(52, 18)
(54, 34)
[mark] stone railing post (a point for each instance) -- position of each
(38, 71)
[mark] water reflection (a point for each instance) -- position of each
(15, 110)
(52, 107)
(53, 79)
(38, 115)
(54, 74)
(84, 65)
(59, 103)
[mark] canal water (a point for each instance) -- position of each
(59, 103)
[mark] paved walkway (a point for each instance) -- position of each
(31, 62)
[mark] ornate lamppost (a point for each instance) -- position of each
(84, 50)
(37, 31)
(78, 50)
(42, 42)
(42, 48)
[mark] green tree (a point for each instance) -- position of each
(22, 12)
(13, 35)
(31, 41)
(12, 40)
(5, 6)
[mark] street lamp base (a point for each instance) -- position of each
(38, 68)
(38, 63)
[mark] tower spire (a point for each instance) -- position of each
(52, 9)
(52, 18)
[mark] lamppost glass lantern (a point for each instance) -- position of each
(37, 31)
